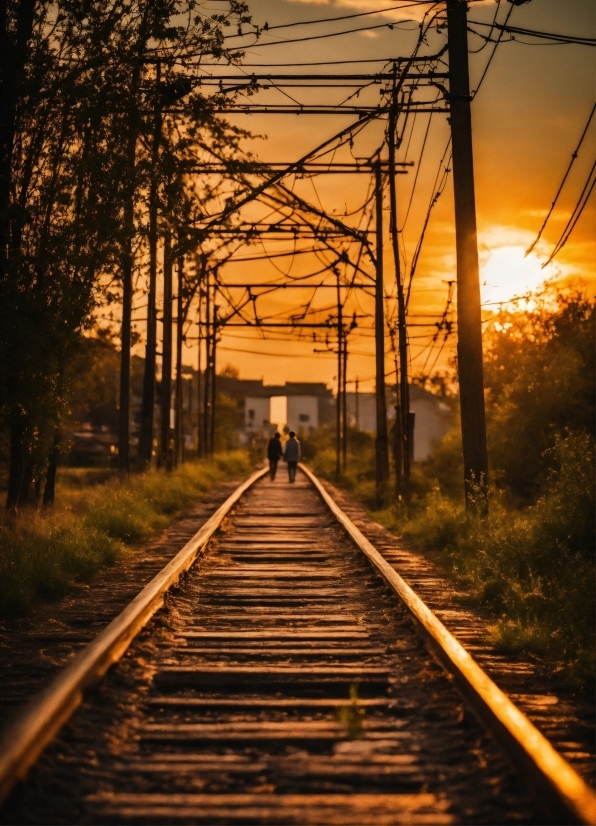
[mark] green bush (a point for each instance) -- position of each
(533, 568)
(43, 555)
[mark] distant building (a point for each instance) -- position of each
(432, 417)
(256, 414)
(303, 413)
(306, 406)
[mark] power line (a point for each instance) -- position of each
(575, 215)
(556, 37)
(496, 46)
(319, 109)
(385, 60)
(565, 176)
(268, 28)
(260, 44)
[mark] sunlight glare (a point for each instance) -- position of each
(507, 275)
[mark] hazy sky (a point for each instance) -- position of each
(527, 118)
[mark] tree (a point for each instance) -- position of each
(540, 383)
(73, 93)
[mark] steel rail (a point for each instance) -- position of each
(24, 740)
(560, 792)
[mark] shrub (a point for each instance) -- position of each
(45, 555)
(533, 568)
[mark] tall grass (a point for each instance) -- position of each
(46, 555)
(534, 567)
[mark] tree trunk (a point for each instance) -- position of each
(166, 369)
(148, 401)
(16, 468)
(179, 430)
(49, 490)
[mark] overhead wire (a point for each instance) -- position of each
(574, 155)
(575, 215)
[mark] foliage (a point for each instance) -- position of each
(47, 555)
(533, 568)
(229, 421)
(78, 91)
(93, 390)
(540, 381)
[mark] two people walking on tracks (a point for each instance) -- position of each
(290, 453)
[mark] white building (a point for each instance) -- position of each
(303, 413)
(256, 414)
(432, 417)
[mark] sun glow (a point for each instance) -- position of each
(507, 274)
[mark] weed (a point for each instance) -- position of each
(43, 555)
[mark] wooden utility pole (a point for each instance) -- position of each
(398, 444)
(357, 404)
(403, 454)
(213, 373)
(125, 343)
(338, 415)
(381, 444)
(200, 441)
(179, 430)
(469, 319)
(207, 387)
(127, 266)
(344, 403)
(166, 367)
(145, 448)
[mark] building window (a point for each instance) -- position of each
(303, 417)
(251, 414)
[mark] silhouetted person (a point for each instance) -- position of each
(292, 455)
(274, 454)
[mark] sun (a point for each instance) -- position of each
(507, 274)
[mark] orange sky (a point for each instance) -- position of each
(527, 119)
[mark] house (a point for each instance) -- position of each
(432, 417)
(303, 413)
(292, 406)
(256, 414)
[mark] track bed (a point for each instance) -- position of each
(281, 683)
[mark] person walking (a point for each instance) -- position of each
(292, 455)
(274, 454)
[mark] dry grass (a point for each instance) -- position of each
(44, 554)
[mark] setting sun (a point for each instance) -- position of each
(507, 274)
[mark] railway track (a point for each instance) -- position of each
(284, 678)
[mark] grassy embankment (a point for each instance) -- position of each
(532, 567)
(45, 554)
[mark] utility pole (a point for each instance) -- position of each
(357, 404)
(398, 444)
(207, 387)
(338, 434)
(166, 367)
(200, 442)
(179, 431)
(469, 317)
(213, 373)
(145, 449)
(402, 337)
(344, 403)
(126, 340)
(381, 446)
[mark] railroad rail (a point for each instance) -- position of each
(281, 682)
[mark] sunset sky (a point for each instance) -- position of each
(527, 119)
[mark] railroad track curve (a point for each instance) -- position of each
(277, 670)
